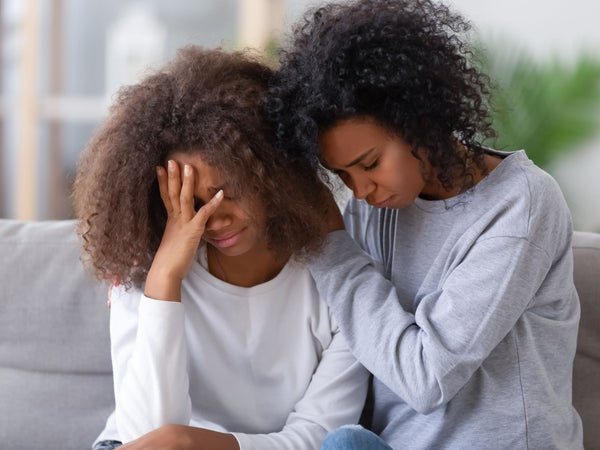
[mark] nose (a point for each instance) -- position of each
(218, 220)
(361, 186)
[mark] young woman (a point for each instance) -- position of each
(219, 338)
(452, 281)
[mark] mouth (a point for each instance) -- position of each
(383, 204)
(226, 240)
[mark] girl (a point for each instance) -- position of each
(453, 280)
(219, 338)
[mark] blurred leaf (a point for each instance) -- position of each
(546, 108)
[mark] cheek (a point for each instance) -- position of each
(255, 234)
(406, 176)
(251, 216)
(412, 183)
(241, 210)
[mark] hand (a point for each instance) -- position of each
(182, 235)
(181, 437)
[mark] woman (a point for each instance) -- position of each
(219, 338)
(452, 281)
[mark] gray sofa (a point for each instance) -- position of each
(55, 369)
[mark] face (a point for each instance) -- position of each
(375, 164)
(231, 229)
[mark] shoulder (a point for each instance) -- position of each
(301, 287)
(308, 302)
(127, 297)
(525, 201)
(544, 192)
(540, 195)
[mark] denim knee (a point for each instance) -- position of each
(353, 437)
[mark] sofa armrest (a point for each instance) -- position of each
(586, 367)
(55, 369)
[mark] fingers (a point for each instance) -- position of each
(187, 193)
(161, 175)
(208, 210)
(177, 195)
(174, 185)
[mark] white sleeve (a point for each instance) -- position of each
(334, 397)
(149, 358)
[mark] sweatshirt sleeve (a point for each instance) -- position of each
(334, 397)
(427, 357)
(149, 363)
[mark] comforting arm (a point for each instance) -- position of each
(427, 357)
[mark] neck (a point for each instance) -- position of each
(474, 173)
(249, 269)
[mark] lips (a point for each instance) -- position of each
(382, 204)
(226, 240)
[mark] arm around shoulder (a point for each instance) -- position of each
(426, 357)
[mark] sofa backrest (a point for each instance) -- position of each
(586, 368)
(55, 370)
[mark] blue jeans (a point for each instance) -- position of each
(107, 445)
(353, 437)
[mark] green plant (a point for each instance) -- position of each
(544, 107)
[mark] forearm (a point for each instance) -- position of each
(183, 437)
(161, 282)
(202, 439)
(427, 357)
(151, 380)
(362, 295)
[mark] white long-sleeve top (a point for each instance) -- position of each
(266, 363)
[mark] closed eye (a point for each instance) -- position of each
(199, 203)
(372, 166)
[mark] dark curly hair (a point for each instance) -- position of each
(206, 101)
(402, 63)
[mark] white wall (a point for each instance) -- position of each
(541, 25)
(549, 29)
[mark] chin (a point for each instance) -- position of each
(231, 251)
(398, 204)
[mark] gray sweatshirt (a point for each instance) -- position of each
(465, 311)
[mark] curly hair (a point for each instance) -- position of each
(401, 63)
(206, 101)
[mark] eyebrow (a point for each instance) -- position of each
(361, 157)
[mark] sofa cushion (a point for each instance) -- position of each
(586, 368)
(55, 368)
